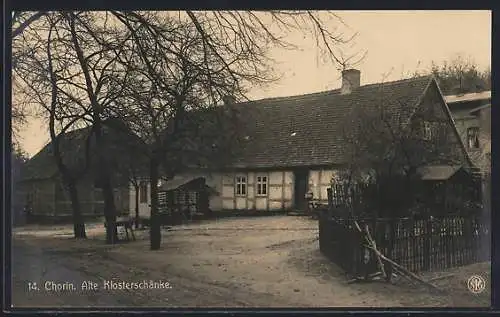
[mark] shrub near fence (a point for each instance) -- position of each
(419, 245)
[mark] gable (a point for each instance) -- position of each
(433, 109)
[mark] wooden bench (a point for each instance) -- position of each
(127, 223)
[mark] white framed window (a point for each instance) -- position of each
(262, 185)
(427, 130)
(473, 137)
(241, 185)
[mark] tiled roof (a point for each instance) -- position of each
(43, 166)
(72, 146)
(307, 130)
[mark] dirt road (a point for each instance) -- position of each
(256, 262)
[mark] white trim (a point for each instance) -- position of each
(239, 184)
(261, 182)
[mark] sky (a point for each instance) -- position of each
(396, 42)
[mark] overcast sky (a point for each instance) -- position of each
(395, 41)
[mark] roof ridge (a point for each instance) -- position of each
(335, 91)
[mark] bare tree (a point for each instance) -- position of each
(79, 68)
(185, 62)
(461, 75)
(390, 140)
(39, 76)
(393, 139)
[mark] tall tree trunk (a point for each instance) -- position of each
(155, 226)
(136, 187)
(109, 210)
(78, 222)
(103, 168)
(70, 183)
(104, 175)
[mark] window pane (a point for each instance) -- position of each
(243, 189)
(264, 179)
(243, 179)
(264, 189)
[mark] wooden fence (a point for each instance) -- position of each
(419, 245)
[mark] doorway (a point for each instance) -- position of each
(300, 188)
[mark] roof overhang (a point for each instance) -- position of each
(477, 109)
(485, 95)
(438, 172)
(181, 182)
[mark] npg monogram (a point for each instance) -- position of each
(476, 284)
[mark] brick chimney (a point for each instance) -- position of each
(228, 100)
(350, 81)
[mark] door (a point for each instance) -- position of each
(300, 189)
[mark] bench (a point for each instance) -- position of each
(127, 223)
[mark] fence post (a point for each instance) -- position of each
(427, 243)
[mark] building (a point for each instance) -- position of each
(294, 145)
(40, 189)
(472, 115)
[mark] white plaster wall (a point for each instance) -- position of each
(214, 180)
(275, 205)
(241, 203)
(228, 192)
(314, 183)
(276, 178)
(261, 203)
(275, 192)
(280, 191)
(227, 204)
(319, 182)
(288, 190)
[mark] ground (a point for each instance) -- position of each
(239, 262)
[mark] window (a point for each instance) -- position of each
(241, 185)
(143, 192)
(427, 130)
(473, 137)
(261, 185)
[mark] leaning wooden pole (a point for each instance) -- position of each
(374, 245)
(406, 272)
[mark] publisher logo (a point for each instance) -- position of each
(476, 284)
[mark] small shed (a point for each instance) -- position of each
(450, 189)
(185, 195)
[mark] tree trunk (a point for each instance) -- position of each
(136, 186)
(78, 222)
(109, 211)
(155, 226)
(103, 171)
(70, 183)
